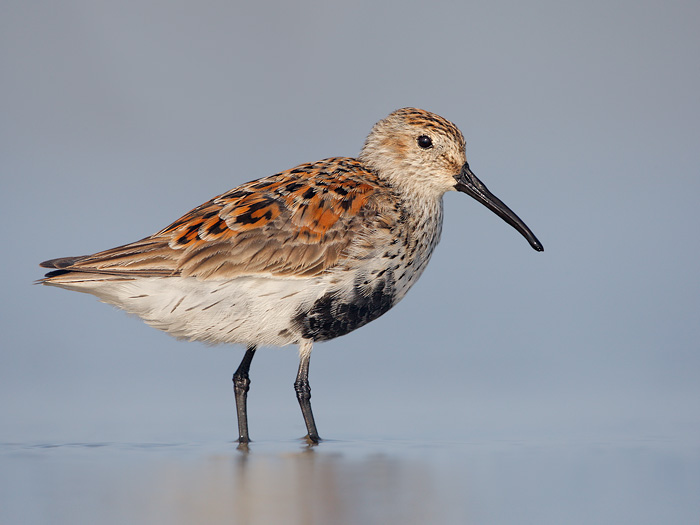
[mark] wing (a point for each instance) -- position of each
(299, 222)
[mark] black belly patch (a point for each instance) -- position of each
(332, 316)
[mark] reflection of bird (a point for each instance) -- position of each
(305, 255)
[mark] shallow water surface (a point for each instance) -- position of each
(351, 482)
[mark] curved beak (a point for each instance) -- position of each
(469, 184)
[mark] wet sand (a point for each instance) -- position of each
(338, 482)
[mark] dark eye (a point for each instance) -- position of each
(425, 142)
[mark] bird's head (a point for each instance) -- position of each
(422, 154)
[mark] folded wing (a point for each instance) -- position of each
(299, 222)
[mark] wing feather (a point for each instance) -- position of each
(299, 222)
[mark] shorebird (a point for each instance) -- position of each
(302, 256)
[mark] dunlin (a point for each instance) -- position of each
(302, 256)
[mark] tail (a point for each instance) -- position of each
(65, 273)
(60, 266)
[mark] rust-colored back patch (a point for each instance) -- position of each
(307, 200)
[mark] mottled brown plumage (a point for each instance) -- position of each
(304, 255)
(297, 222)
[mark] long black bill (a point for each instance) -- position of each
(469, 184)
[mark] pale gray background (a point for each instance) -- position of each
(584, 117)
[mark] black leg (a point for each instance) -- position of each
(303, 390)
(241, 385)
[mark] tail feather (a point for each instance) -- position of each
(66, 273)
(55, 273)
(65, 270)
(81, 281)
(62, 262)
(62, 265)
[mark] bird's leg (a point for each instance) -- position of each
(303, 390)
(241, 385)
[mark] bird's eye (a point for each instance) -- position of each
(425, 142)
